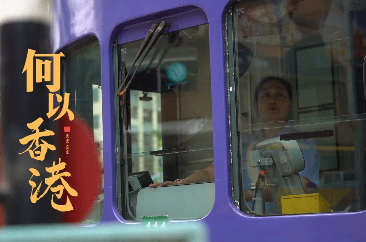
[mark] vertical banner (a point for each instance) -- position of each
(49, 166)
(23, 115)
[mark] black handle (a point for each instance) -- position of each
(307, 135)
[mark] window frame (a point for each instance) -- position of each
(188, 16)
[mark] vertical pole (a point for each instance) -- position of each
(354, 110)
(236, 181)
(18, 33)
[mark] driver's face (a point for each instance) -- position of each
(274, 103)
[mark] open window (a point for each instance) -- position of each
(318, 48)
(164, 123)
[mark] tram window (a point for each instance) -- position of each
(165, 127)
(81, 78)
(312, 53)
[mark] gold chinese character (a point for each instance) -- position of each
(58, 190)
(65, 107)
(40, 64)
(34, 126)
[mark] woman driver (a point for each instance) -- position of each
(273, 101)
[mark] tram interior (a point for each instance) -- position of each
(168, 121)
(319, 47)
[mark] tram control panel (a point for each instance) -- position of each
(275, 165)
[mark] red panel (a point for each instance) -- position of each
(82, 161)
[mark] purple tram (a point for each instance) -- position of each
(189, 102)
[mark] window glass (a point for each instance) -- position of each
(165, 126)
(82, 79)
(298, 71)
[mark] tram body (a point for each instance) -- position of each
(111, 31)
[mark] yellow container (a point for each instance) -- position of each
(304, 203)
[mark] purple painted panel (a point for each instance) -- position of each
(76, 19)
(187, 18)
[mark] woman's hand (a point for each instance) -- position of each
(204, 175)
(167, 183)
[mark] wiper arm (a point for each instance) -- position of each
(151, 38)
